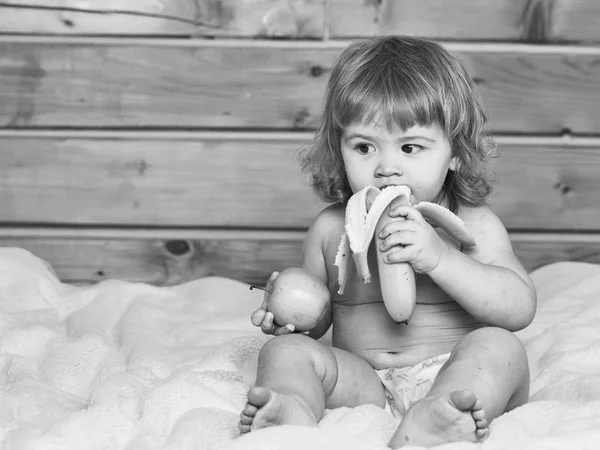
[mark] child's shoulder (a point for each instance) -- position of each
(334, 214)
(329, 223)
(477, 214)
(482, 221)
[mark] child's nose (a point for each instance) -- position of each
(388, 167)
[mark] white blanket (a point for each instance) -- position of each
(129, 366)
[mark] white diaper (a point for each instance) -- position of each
(408, 385)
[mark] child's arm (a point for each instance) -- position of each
(313, 261)
(487, 280)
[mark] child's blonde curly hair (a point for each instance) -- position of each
(401, 82)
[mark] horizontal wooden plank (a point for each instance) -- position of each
(229, 182)
(252, 180)
(248, 18)
(110, 85)
(522, 20)
(191, 85)
(149, 233)
(507, 20)
(454, 19)
(161, 262)
(547, 187)
(252, 259)
(537, 250)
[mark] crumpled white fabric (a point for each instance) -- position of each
(123, 365)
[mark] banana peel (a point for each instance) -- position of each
(366, 214)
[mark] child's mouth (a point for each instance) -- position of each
(413, 200)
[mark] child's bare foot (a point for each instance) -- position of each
(438, 420)
(266, 408)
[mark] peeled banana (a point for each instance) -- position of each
(366, 214)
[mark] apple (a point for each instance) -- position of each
(298, 298)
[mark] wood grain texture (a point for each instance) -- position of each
(252, 180)
(535, 250)
(188, 201)
(173, 261)
(483, 20)
(229, 182)
(547, 187)
(272, 86)
(571, 20)
(233, 18)
(161, 262)
(506, 20)
(159, 86)
(454, 19)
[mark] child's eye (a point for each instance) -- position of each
(364, 149)
(411, 148)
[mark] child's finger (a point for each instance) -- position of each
(288, 329)
(406, 211)
(269, 289)
(396, 226)
(403, 238)
(267, 324)
(397, 256)
(258, 316)
(271, 280)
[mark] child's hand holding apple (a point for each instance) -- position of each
(294, 301)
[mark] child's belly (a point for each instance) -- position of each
(368, 331)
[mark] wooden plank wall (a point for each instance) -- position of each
(156, 140)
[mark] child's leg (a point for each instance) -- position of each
(299, 377)
(487, 374)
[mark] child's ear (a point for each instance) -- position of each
(453, 164)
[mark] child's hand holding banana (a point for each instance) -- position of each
(389, 216)
(412, 240)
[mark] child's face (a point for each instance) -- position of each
(418, 157)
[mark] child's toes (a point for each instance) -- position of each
(478, 414)
(246, 420)
(480, 418)
(481, 423)
(250, 410)
(481, 433)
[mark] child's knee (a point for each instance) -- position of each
(496, 345)
(498, 338)
(506, 340)
(298, 350)
(297, 346)
(281, 343)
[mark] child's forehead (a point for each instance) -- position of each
(377, 127)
